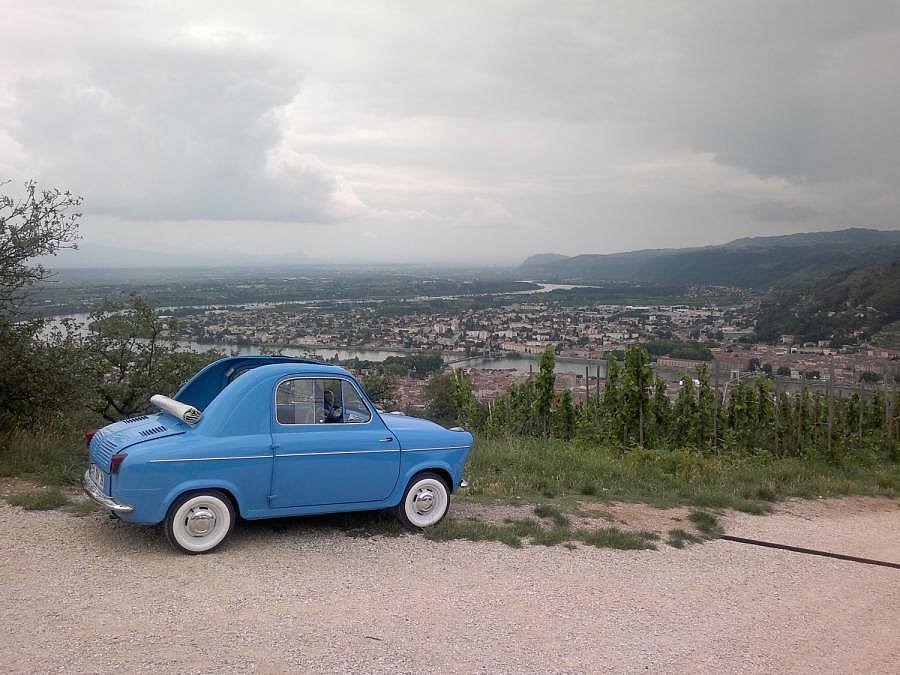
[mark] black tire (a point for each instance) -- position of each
(424, 483)
(206, 504)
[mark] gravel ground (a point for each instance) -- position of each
(91, 595)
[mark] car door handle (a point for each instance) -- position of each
(387, 439)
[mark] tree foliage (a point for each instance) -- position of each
(40, 223)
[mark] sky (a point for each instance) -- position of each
(458, 131)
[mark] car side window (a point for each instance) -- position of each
(355, 410)
(295, 401)
(309, 400)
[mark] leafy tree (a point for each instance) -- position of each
(45, 382)
(381, 388)
(543, 386)
(441, 404)
(612, 401)
(133, 355)
(563, 416)
(869, 377)
(40, 223)
(661, 409)
(636, 383)
(41, 370)
(685, 423)
(705, 408)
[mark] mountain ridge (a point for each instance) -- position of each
(746, 262)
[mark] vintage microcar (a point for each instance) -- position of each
(271, 436)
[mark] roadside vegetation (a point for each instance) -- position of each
(515, 532)
(39, 501)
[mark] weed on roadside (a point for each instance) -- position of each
(39, 501)
(548, 511)
(514, 532)
(678, 538)
(707, 523)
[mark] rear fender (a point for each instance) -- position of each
(192, 485)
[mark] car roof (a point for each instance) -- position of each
(218, 377)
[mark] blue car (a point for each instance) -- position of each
(265, 437)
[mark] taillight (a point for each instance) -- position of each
(89, 436)
(116, 461)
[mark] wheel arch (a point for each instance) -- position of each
(227, 488)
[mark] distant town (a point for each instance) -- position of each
(491, 324)
(484, 341)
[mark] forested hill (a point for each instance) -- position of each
(845, 308)
(760, 262)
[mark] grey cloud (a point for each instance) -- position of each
(529, 126)
(173, 134)
(780, 212)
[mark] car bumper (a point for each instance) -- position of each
(92, 491)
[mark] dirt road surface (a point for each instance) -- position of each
(90, 595)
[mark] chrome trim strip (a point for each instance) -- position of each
(209, 459)
(92, 491)
(446, 447)
(338, 452)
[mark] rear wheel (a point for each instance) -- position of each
(425, 502)
(198, 522)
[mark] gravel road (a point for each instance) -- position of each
(90, 595)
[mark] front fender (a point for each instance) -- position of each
(450, 462)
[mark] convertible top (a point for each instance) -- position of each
(201, 389)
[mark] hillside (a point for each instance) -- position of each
(845, 308)
(760, 262)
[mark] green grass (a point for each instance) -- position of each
(522, 470)
(612, 537)
(48, 457)
(39, 501)
(549, 511)
(678, 538)
(473, 530)
(706, 523)
(514, 532)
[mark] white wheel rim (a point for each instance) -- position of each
(201, 523)
(426, 502)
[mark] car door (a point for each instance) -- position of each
(330, 446)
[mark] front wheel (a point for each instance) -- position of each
(199, 521)
(425, 502)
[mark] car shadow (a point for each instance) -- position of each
(142, 539)
(362, 524)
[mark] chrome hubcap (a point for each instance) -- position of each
(423, 501)
(200, 521)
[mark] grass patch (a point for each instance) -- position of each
(48, 457)
(515, 532)
(39, 501)
(707, 523)
(473, 530)
(613, 537)
(678, 538)
(548, 511)
(518, 469)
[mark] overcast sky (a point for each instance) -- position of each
(454, 130)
